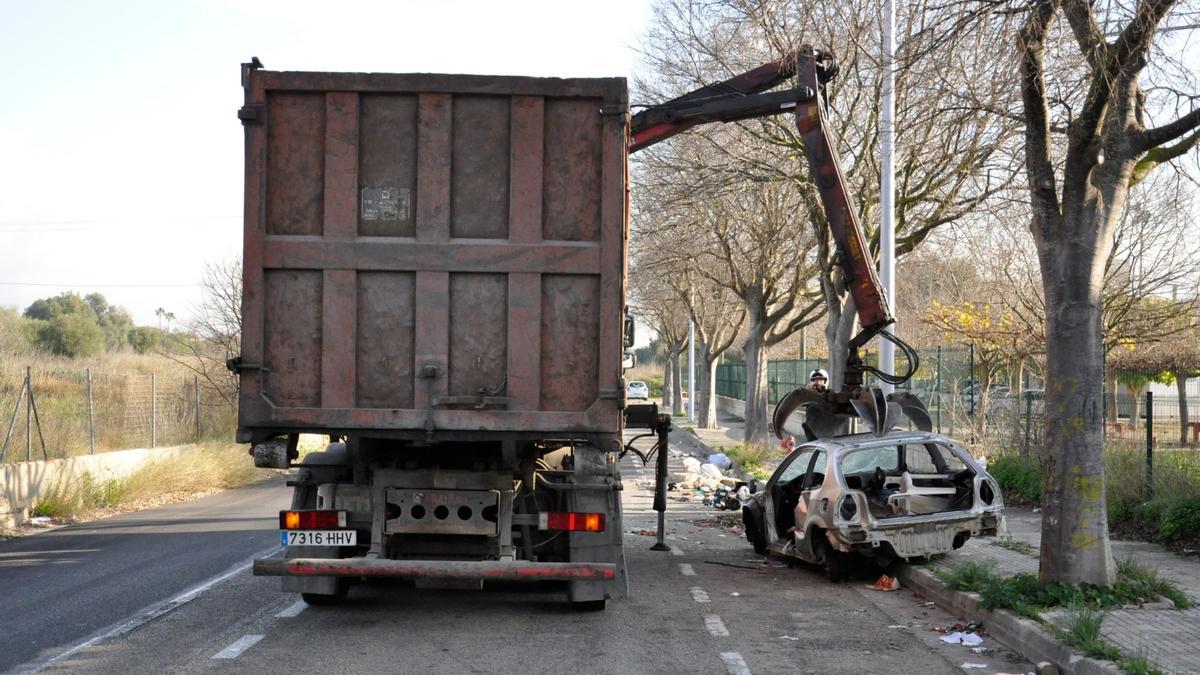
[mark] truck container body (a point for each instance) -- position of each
(434, 276)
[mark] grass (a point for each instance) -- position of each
(213, 467)
(1169, 513)
(753, 459)
(1007, 542)
(967, 576)
(1083, 633)
(1025, 594)
(121, 403)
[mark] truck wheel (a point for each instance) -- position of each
(325, 599)
(590, 605)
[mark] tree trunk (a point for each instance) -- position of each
(668, 382)
(677, 386)
(1075, 545)
(756, 383)
(839, 328)
(1181, 379)
(706, 389)
(1135, 408)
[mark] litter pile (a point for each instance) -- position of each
(707, 482)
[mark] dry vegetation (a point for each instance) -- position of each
(217, 466)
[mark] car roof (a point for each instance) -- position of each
(843, 444)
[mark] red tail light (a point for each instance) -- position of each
(311, 520)
(572, 522)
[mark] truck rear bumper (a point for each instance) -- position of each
(434, 569)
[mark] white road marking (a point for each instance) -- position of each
(149, 614)
(686, 570)
(235, 650)
(699, 594)
(675, 550)
(716, 627)
(735, 664)
(293, 610)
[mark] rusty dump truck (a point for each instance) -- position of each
(434, 278)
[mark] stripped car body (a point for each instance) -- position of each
(897, 495)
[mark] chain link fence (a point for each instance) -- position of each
(948, 382)
(52, 412)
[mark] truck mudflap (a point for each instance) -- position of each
(517, 570)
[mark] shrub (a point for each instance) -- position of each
(655, 384)
(1020, 478)
(1181, 520)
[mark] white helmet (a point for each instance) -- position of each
(819, 373)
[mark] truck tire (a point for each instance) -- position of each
(590, 605)
(319, 467)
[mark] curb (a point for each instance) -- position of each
(1028, 637)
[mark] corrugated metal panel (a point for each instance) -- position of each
(415, 241)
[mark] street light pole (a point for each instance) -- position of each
(887, 207)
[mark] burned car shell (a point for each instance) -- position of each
(838, 519)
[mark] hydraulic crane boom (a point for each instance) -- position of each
(747, 96)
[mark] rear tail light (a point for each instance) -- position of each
(311, 520)
(571, 522)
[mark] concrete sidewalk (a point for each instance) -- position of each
(1168, 637)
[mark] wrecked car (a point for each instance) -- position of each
(900, 495)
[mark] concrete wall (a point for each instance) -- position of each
(22, 483)
(737, 408)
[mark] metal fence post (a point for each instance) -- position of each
(1028, 421)
(28, 414)
(153, 411)
(196, 383)
(937, 391)
(91, 420)
(1149, 445)
(972, 383)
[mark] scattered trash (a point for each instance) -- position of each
(886, 583)
(645, 533)
(1037, 510)
(787, 637)
(711, 471)
(691, 465)
(929, 603)
(41, 521)
(735, 594)
(973, 666)
(898, 626)
(720, 460)
(725, 564)
(981, 650)
(960, 638)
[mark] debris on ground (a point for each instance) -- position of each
(788, 637)
(720, 460)
(973, 666)
(644, 533)
(981, 650)
(885, 583)
(960, 638)
(734, 565)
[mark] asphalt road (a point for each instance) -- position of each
(68, 584)
(708, 606)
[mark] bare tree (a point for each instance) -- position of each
(214, 333)
(951, 147)
(1077, 199)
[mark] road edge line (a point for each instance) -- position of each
(145, 615)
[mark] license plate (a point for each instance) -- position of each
(319, 537)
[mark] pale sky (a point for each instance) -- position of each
(120, 149)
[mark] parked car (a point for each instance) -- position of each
(902, 495)
(636, 389)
